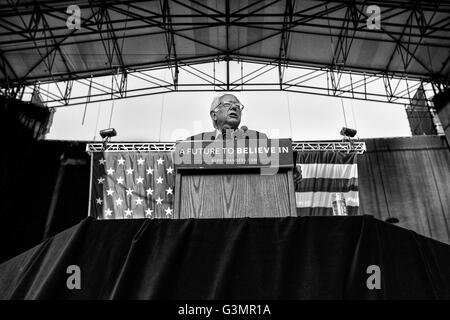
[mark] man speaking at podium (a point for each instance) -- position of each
(225, 112)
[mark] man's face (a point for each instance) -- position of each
(228, 114)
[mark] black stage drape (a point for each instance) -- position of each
(29, 171)
(408, 178)
(260, 258)
(29, 190)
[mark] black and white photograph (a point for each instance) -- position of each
(224, 156)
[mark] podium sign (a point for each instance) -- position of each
(234, 179)
(266, 154)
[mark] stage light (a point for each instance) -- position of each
(108, 133)
(392, 220)
(347, 132)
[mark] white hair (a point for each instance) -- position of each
(215, 103)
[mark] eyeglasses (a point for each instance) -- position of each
(229, 105)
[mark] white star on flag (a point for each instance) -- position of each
(168, 211)
(141, 183)
(148, 212)
(128, 212)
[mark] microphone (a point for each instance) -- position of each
(224, 133)
(244, 128)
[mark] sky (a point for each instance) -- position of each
(174, 116)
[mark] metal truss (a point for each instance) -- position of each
(341, 20)
(130, 147)
(242, 75)
(356, 146)
(352, 146)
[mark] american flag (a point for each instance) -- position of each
(324, 174)
(130, 185)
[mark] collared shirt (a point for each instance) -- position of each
(219, 134)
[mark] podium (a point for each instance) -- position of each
(234, 179)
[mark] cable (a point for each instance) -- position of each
(96, 123)
(289, 112)
(162, 109)
(111, 114)
(343, 111)
(329, 29)
(113, 100)
(161, 117)
(123, 36)
(87, 101)
(354, 119)
(112, 77)
(98, 113)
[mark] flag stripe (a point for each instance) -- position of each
(322, 211)
(329, 170)
(324, 199)
(326, 157)
(327, 185)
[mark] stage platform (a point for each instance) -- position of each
(245, 258)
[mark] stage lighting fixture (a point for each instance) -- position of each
(392, 220)
(108, 133)
(347, 132)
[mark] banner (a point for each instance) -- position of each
(267, 154)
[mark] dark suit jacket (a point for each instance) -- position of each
(212, 135)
